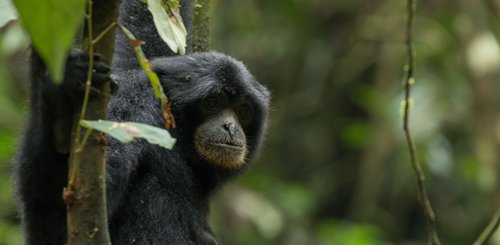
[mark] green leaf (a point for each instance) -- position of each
(7, 12)
(125, 132)
(144, 62)
(153, 77)
(52, 25)
(169, 24)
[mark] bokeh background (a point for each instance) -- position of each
(335, 168)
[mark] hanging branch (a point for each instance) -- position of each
(409, 81)
(489, 230)
(85, 195)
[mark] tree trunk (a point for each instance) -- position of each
(201, 27)
(85, 195)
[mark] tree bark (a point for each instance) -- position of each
(85, 196)
(201, 26)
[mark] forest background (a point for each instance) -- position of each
(335, 168)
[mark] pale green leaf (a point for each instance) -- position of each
(144, 62)
(13, 39)
(169, 25)
(7, 12)
(52, 25)
(125, 132)
(153, 77)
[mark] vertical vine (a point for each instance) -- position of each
(409, 81)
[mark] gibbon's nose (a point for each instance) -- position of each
(229, 126)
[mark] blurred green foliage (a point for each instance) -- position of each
(335, 168)
(13, 73)
(52, 26)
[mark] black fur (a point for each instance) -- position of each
(41, 162)
(155, 196)
(136, 17)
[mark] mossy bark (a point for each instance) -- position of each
(201, 26)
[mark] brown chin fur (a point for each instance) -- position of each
(222, 155)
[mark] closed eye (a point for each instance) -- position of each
(211, 104)
(245, 113)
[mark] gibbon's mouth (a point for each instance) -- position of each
(230, 145)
